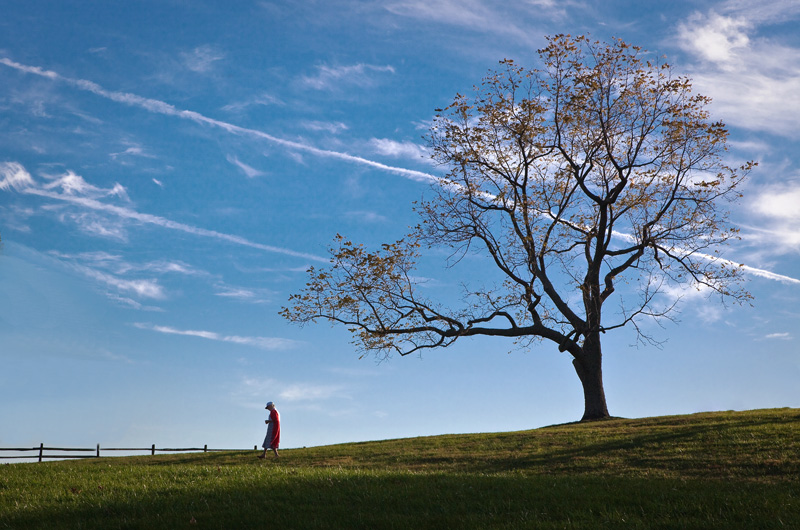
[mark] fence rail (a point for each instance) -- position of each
(96, 451)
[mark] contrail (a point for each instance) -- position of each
(13, 176)
(161, 107)
(127, 213)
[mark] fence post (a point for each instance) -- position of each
(255, 448)
(98, 450)
(153, 450)
(41, 450)
(205, 448)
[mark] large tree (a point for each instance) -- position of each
(597, 178)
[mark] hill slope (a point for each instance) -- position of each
(727, 469)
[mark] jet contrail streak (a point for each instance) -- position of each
(161, 107)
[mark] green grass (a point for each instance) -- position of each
(712, 470)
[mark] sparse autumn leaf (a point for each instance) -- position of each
(596, 178)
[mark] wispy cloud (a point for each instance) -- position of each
(324, 126)
(753, 80)
(781, 336)
(202, 58)
(510, 19)
(116, 274)
(778, 207)
(13, 176)
(253, 296)
(72, 184)
(696, 295)
(366, 216)
(259, 100)
(393, 148)
(15, 218)
(775, 11)
(296, 392)
(311, 392)
(334, 77)
(161, 107)
(24, 183)
(473, 14)
(116, 264)
(264, 343)
(134, 150)
(145, 288)
(97, 225)
(249, 171)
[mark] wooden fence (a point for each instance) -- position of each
(96, 451)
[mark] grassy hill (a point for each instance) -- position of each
(710, 470)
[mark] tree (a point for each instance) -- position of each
(597, 178)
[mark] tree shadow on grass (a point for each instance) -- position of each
(342, 499)
(685, 449)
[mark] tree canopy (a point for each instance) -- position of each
(597, 178)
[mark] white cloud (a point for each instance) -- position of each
(509, 19)
(260, 100)
(74, 186)
(264, 343)
(782, 336)
(254, 296)
(781, 202)
(366, 217)
(779, 207)
(333, 77)
(167, 266)
(115, 264)
(753, 80)
(696, 295)
(233, 292)
(769, 275)
(13, 176)
(324, 126)
(310, 392)
(774, 11)
(132, 151)
(250, 172)
(161, 107)
(158, 183)
(146, 288)
(715, 38)
(97, 225)
(15, 218)
(393, 148)
(202, 58)
(257, 390)
(124, 278)
(127, 213)
(133, 303)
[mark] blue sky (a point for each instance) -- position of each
(169, 169)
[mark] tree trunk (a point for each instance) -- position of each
(589, 367)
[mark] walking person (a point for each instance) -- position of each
(273, 438)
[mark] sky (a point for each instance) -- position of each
(169, 169)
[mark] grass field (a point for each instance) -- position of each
(710, 470)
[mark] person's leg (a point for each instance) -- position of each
(275, 450)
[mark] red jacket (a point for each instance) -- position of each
(275, 428)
